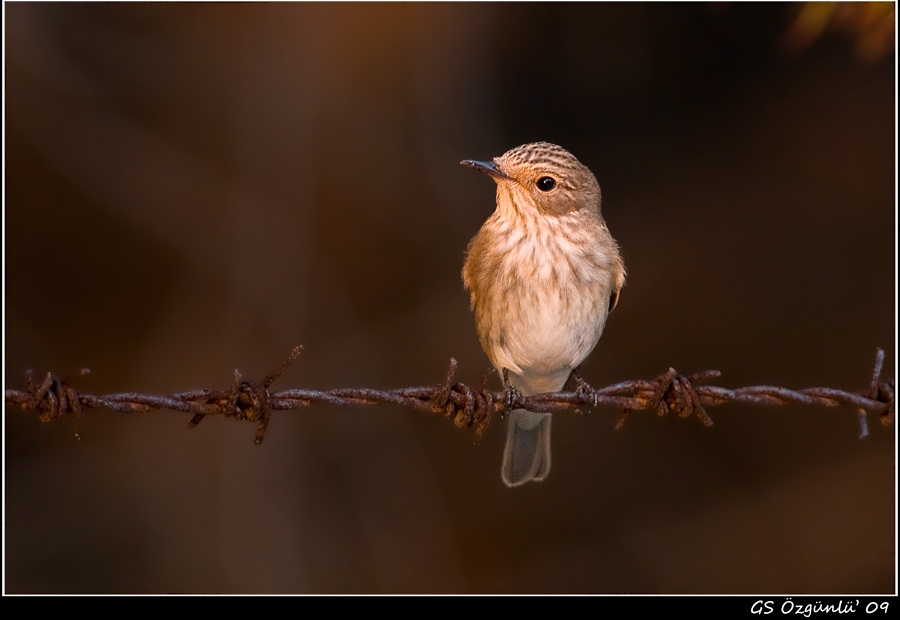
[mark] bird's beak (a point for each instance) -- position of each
(487, 167)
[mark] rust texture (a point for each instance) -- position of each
(465, 406)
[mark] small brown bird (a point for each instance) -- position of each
(543, 273)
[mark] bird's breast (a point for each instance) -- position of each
(541, 297)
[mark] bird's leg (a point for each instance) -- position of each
(512, 393)
(582, 388)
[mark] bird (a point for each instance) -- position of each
(543, 273)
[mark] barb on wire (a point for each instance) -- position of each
(466, 406)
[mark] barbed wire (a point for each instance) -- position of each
(466, 406)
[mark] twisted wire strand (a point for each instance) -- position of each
(466, 406)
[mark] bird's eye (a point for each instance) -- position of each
(545, 184)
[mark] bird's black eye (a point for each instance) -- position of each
(545, 184)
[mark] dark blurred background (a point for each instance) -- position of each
(196, 188)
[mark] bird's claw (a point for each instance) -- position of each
(584, 390)
(512, 393)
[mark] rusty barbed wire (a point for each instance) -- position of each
(466, 406)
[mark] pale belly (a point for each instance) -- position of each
(543, 337)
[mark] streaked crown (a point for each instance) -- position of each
(542, 154)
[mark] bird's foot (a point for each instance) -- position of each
(583, 390)
(512, 394)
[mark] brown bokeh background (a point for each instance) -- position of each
(196, 188)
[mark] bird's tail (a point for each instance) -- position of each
(527, 453)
